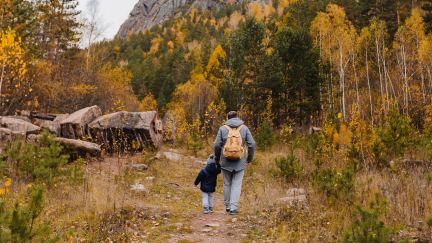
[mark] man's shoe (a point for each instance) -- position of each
(206, 210)
(233, 212)
(211, 209)
(227, 210)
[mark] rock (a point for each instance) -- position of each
(150, 178)
(148, 13)
(296, 196)
(82, 147)
(76, 124)
(234, 220)
(18, 125)
(139, 167)
(127, 131)
(212, 225)
(52, 126)
(138, 187)
(61, 117)
(172, 155)
(24, 118)
(206, 230)
(296, 191)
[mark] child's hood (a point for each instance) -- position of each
(211, 159)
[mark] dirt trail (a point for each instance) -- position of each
(215, 227)
(180, 199)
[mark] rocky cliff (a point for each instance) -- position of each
(148, 13)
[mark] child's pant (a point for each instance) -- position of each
(207, 199)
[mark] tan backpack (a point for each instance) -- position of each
(233, 149)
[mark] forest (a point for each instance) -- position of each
(338, 94)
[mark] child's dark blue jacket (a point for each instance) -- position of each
(208, 176)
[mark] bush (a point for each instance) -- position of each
(265, 136)
(20, 223)
(429, 221)
(288, 168)
(41, 162)
(368, 227)
(395, 137)
(334, 184)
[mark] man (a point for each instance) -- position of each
(233, 169)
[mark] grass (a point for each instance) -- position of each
(102, 207)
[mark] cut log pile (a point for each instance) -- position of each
(87, 131)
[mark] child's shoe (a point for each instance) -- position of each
(211, 209)
(206, 210)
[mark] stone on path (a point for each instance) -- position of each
(295, 196)
(212, 225)
(139, 167)
(138, 187)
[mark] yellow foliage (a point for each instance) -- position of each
(83, 89)
(217, 55)
(6, 185)
(170, 45)
(180, 38)
(155, 45)
(13, 72)
(148, 103)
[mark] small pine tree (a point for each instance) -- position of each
(368, 227)
(265, 136)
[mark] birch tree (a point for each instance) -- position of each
(334, 34)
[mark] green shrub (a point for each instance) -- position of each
(429, 221)
(265, 136)
(20, 223)
(288, 168)
(368, 227)
(394, 138)
(41, 162)
(334, 184)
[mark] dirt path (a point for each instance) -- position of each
(170, 192)
(215, 227)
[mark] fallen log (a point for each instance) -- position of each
(82, 147)
(127, 131)
(42, 116)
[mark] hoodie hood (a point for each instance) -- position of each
(234, 122)
(211, 159)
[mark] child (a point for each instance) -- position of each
(208, 177)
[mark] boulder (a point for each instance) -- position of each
(295, 196)
(61, 117)
(5, 136)
(127, 131)
(18, 125)
(76, 124)
(52, 126)
(24, 118)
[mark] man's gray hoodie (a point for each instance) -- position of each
(248, 143)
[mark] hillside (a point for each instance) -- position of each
(147, 14)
